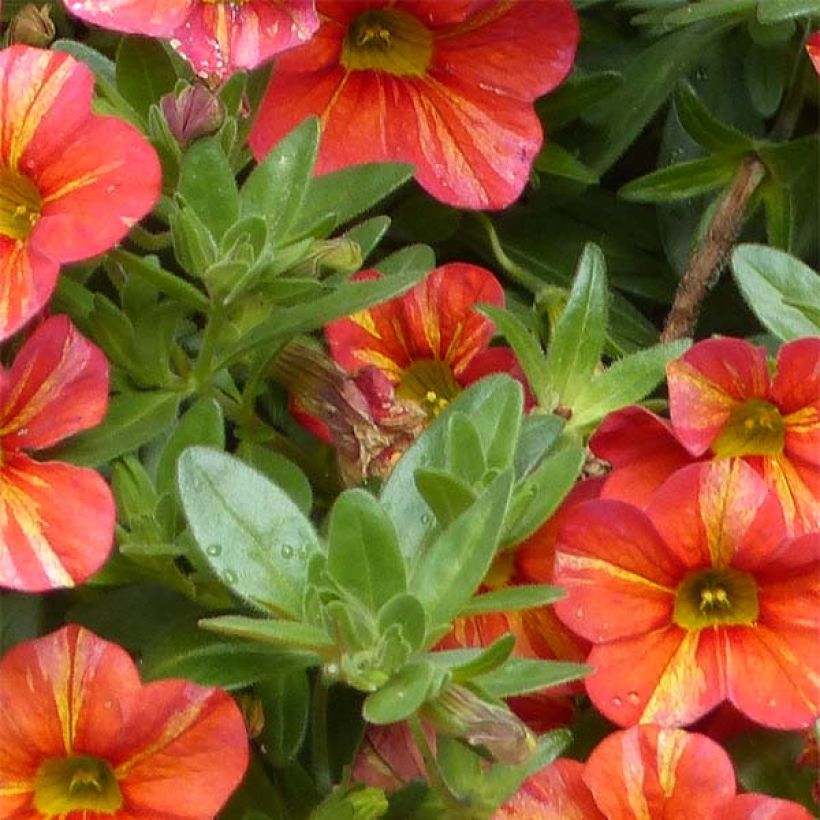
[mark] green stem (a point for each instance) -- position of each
(451, 800)
(150, 241)
(203, 367)
(522, 276)
(319, 750)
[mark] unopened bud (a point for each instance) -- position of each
(31, 26)
(194, 112)
(330, 256)
(458, 712)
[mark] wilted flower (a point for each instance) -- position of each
(641, 773)
(195, 112)
(217, 38)
(81, 737)
(56, 520)
(68, 190)
(32, 26)
(701, 598)
(447, 86)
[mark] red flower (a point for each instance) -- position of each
(67, 185)
(700, 599)
(813, 49)
(723, 405)
(447, 86)
(641, 773)
(217, 38)
(430, 342)
(56, 520)
(81, 737)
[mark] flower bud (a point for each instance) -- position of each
(194, 112)
(458, 712)
(330, 256)
(31, 26)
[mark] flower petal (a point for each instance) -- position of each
(55, 692)
(498, 360)
(157, 18)
(221, 38)
(91, 195)
(762, 807)
(718, 513)
(434, 320)
(667, 676)
(643, 452)
(56, 524)
(648, 771)
(619, 576)
(180, 736)
(57, 386)
(707, 382)
(557, 792)
(27, 282)
(797, 484)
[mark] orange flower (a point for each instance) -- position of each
(701, 598)
(641, 773)
(56, 520)
(80, 737)
(447, 85)
(430, 342)
(813, 49)
(68, 190)
(217, 38)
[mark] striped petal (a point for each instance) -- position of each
(648, 771)
(26, 284)
(761, 806)
(708, 382)
(156, 18)
(57, 386)
(56, 524)
(434, 320)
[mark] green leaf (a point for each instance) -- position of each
(464, 449)
(520, 676)
(624, 382)
(276, 188)
(704, 127)
(683, 180)
(350, 192)
(250, 532)
(133, 419)
(368, 234)
(285, 700)
(411, 258)
(526, 346)
(208, 186)
(406, 611)
(445, 576)
(144, 72)
(559, 162)
(772, 11)
(539, 494)
(578, 342)
(488, 659)
(103, 68)
(574, 96)
(363, 550)
(508, 599)
(402, 695)
(202, 424)
(269, 630)
(538, 434)
(281, 471)
(445, 494)
(775, 285)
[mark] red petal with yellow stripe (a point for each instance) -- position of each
(462, 113)
(72, 693)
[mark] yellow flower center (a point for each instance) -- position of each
(78, 783)
(431, 383)
(755, 428)
(388, 40)
(716, 597)
(19, 204)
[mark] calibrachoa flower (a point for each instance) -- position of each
(80, 736)
(56, 520)
(217, 37)
(645, 773)
(701, 598)
(67, 185)
(447, 85)
(430, 342)
(724, 404)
